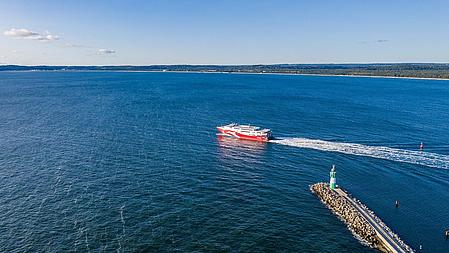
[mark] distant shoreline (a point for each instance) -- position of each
(420, 71)
(366, 76)
(296, 74)
(238, 72)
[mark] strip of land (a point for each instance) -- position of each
(396, 70)
(360, 220)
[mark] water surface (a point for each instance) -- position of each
(110, 161)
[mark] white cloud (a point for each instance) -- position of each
(374, 41)
(30, 35)
(75, 45)
(105, 51)
(21, 33)
(49, 37)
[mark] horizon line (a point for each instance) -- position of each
(205, 64)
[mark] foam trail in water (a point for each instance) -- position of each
(394, 154)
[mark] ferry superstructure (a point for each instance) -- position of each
(246, 132)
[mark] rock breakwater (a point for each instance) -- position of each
(345, 208)
(347, 212)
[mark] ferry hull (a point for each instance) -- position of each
(238, 135)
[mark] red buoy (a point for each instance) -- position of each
(421, 147)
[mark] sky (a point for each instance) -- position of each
(146, 32)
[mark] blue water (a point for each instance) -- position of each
(100, 162)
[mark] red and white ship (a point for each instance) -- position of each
(246, 132)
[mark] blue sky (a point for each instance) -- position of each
(148, 32)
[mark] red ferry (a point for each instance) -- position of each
(246, 132)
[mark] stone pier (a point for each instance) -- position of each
(360, 220)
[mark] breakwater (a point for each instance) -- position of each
(360, 220)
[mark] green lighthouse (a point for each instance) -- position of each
(333, 181)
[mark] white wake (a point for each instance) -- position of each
(394, 154)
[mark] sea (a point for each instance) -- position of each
(131, 161)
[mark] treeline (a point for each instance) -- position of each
(422, 70)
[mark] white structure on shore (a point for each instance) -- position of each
(333, 180)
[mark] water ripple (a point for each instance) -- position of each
(399, 155)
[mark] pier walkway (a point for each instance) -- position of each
(391, 243)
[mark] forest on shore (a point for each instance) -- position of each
(416, 70)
